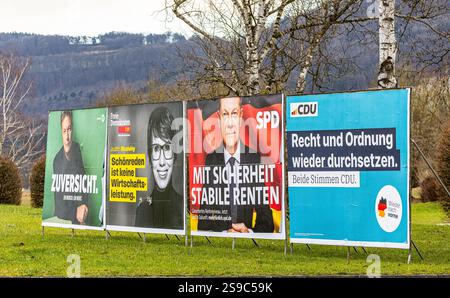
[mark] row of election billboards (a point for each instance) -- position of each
(143, 168)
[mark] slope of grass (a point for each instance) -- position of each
(24, 252)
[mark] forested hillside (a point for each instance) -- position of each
(74, 72)
(70, 72)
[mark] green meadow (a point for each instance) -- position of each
(25, 252)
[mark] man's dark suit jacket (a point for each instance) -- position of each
(264, 218)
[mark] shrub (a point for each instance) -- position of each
(10, 182)
(443, 166)
(429, 110)
(37, 180)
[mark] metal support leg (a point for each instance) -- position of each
(145, 238)
(232, 245)
(309, 248)
(364, 250)
(292, 248)
(348, 254)
(177, 237)
(354, 248)
(285, 247)
(207, 239)
(43, 231)
(186, 240)
(73, 233)
(192, 240)
(256, 244)
(167, 237)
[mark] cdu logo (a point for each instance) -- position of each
(304, 109)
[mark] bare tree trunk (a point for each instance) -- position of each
(388, 44)
(20, 138)
(253, 72)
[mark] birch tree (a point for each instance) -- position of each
(20, 138)
(388, 44)
(255, 46)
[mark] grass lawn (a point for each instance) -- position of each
(24, 252)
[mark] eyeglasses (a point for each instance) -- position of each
(166, 149)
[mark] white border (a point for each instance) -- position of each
(185, 139)
(283, 171)
(400, 245)
(267, 236)
(145, 230)
(408, 166)
(72, 226)
(350, 243)
(105, 189)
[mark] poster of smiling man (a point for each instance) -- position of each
(75, 169)
(146, 168)
(236, 167)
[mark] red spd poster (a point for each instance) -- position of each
(236, 167)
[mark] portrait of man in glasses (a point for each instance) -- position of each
(163, 208)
